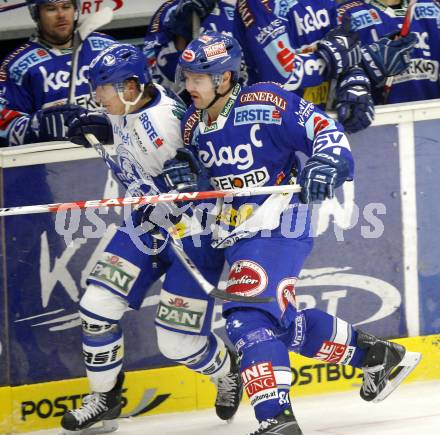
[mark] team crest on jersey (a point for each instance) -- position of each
(246, 278)
(215, 51)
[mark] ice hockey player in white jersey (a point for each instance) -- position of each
(144, 124)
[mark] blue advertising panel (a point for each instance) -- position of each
(355, 270)
(427, 153)
(48, 257)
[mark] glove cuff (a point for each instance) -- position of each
(375, 73)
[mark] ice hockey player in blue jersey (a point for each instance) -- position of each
(247, 137)
(375, 19)
(144, 124)
(171, 28)
(34, 78)
(283, 32)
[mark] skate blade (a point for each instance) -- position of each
(107, 426)
(406, 366)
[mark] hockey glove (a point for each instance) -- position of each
(182, 172)
(89, 122)
(354, 103)
(340, 48)
(153, 218)
(179, 21)
(387, 57)
(321, 175)
(49, 124)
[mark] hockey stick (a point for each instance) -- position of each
(195, 25)
(84, 29)
(149, 199)
(192, 269)
(11, 7)
(403, 32)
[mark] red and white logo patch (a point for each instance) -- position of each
(332, 352)
(258, 378)
(215, 51)
(246, 278)
(188, 55)
(286, 293)
(319, 124)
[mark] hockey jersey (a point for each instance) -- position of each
(284, 34)
(35, 76)
(373, 20)
(254, 142)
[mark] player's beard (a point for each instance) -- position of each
(58, 37)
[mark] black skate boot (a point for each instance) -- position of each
(229, 390)
(96, 407)
(283, 424)
(385, 367)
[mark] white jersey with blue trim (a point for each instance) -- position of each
(144, 140)
(254, 142)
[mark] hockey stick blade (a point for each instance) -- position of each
(94, 22)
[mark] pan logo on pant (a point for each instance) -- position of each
(246, 278)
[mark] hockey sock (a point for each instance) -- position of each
(264, 366)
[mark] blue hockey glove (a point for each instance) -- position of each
(340, 48)
(387, 57)
(49, 124)
(354, 103)
(181, 173)
(179, 21)
(89, 122)
(321, 175)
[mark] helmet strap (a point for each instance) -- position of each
(129, 104)
(217, 82)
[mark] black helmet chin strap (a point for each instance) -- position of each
(217, 95)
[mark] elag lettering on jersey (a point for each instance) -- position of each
(240, 154)
(61, 79)
(312, 21)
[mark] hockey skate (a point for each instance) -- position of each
(283, 424)
(102, 408)
(385, 367)
(229, 390)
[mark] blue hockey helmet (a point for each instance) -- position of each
(211, 53)
(116, 63)
(34, 11)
